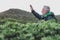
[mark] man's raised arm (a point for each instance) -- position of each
(35, 13)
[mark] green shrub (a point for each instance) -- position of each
(46, 30)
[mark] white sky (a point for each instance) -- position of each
(24, 5)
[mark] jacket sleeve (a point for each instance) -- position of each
(37, 15)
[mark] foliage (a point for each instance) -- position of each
(43, 30)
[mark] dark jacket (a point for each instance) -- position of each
(48, 17)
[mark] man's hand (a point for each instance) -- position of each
(31, 7)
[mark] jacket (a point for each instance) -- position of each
(48, 16)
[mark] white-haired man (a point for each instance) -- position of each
(47, 15)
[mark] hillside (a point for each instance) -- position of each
(21, 15)
(58, 18)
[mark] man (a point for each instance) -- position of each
(47, 15)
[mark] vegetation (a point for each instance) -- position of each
(16, 24)
(42, 30)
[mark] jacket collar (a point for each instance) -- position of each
(47, 14)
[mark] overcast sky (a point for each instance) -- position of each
(24, 5)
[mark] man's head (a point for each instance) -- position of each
(45, 9)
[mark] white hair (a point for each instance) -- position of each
(47, 8)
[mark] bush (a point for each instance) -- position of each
(46, 30)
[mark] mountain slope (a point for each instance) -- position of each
(58, 18)
(21, 15)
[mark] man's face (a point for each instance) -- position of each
(44, 11)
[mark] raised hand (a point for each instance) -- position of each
(31, 7)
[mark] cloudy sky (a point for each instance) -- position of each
(24, 5)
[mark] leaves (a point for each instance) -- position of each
(46, 30)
